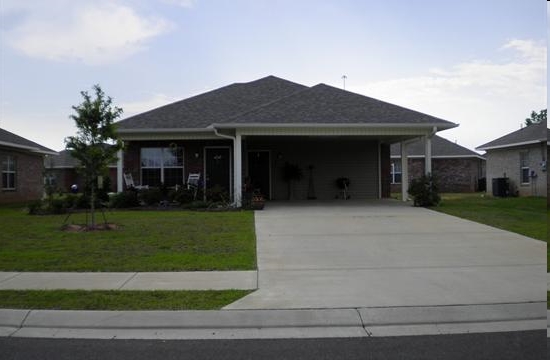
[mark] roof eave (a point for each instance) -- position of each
(28, 148)
(530, 142)
(439, 126)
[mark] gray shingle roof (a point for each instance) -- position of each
(65, 160)
(17, 141)
(274, 100)
(529, 134)
(326, 104)
(215, 106)
(440, 147)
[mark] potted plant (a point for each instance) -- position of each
(291, 173)
(257, 202)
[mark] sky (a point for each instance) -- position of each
(481, 64)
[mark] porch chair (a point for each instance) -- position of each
(193, 181)
(129, 180)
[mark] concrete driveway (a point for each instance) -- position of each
(384, 253)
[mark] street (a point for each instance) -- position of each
(502, 346)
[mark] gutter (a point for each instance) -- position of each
(30, 148)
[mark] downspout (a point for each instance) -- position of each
(236, 198)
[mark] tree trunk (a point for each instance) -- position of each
(92, 206)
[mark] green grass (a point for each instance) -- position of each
(147, 241)
(118, 300)
(527, 216)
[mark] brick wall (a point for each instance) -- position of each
(29, 183)
(452, 174)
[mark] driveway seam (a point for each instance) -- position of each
(11, 277)
(127, 281)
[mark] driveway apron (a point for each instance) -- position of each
(383, 253)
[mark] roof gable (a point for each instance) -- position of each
(272, 100)
(215, 106)
(326, 104)
(531, 134)
(12, 140)
(441, 147)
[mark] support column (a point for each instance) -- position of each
(119, 170)
(428, 155)
(237, 170)
(404, 172)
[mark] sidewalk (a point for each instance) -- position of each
(247, 324)
(195, 280)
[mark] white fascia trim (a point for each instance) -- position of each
(531, 142)
(30, 148)
(439, 126)
(163, 131)
(439, 156)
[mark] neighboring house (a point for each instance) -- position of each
(248, 131)
(521, 158)
(61, 172)
(456, 168)
(22, 168)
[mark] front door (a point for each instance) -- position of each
(217, 169)
(258, 171)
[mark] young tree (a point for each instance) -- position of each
(536, 118)
(96, 143)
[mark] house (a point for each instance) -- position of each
(22, 169)
(516, 162)
(246, 133)
(62, 172)
(456, 168)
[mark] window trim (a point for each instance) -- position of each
(393, 173)
(162, 167)
(524, 157)
(6, 159)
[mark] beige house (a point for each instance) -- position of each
(517, 162)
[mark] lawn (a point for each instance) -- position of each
(118, 300)
(523, 215)
(146, 241)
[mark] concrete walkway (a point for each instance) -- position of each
(196, 280)
(388, 254)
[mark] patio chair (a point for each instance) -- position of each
(193, 183)
(129, 180)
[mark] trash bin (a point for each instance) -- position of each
(500, 187)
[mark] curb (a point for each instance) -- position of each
(257, 324)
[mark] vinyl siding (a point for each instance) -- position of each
(332, 158)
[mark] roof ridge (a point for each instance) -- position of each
(268, 103)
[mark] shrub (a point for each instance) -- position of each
(57, 206)
(35, 207)
(151, 196)
(197, 204)
(424, 191)
(181, 196)
(125, 199)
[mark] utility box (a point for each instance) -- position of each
(501, 187)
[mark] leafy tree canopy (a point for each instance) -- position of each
(536, 118)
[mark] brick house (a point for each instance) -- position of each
(22, 169)
(456, 168)
(246, 133)
(519, 158)
(62, 172)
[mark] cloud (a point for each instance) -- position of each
(94, 33)
(181, 3)
(488, 98)
(154, 101)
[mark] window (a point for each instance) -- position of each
(396, 172)
(162, 166)
(8, 173)
(524, 167)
